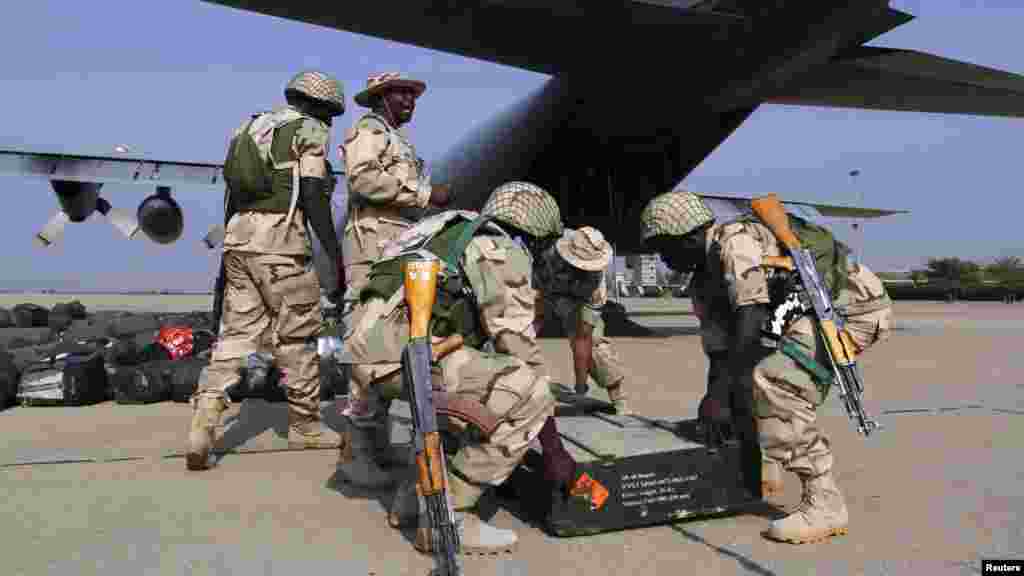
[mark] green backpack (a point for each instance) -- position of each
(249, 166)
(830, 255)
(455, 309)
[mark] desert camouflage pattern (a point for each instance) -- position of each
(512, 380)
(283, 234)
(270, 300)
(527, 207)
(866, 307)
(785, 397)
(384, 176)
(674, 214)
(321, 87)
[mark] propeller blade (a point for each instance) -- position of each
(53, 230)
(123, 220)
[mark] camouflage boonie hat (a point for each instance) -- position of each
(674, 214)
(321, 87)
(527, 207)
(378, 83)
(585, 249)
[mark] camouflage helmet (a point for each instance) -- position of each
(527, 207)
(674, 213)
(320, 87)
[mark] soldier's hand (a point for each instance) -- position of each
(440, 195)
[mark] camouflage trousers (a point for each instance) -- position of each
(270, 302)
(517, 395)
(364, 240)
(607, 369)
(785, 402)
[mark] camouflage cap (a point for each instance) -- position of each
(674, 214)
(320, 87)
(527, 207)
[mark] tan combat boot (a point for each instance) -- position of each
(206, 413)
(308, 433)
(475, 535)
(357, 459)
(617, 396)
(821, 514)
(771, 479)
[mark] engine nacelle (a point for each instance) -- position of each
(160, 217)
(77, 199)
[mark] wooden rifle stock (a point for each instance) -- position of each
(770, 211)
(420, 283)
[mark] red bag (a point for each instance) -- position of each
(177, 340)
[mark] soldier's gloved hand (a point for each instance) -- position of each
(440, 195)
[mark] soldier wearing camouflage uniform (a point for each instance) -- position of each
(570, 279)
(384, 174)
(733, 298)
(272, 293)
(509, 383)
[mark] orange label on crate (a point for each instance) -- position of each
(591, 489)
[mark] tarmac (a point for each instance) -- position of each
(103, 489)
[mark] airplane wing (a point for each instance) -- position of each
(728, 207)
(906, 80)
(52, 166)
(77, 180)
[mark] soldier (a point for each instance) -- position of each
(488, 298)
(384, 174)
(278, 182)
(570, 278)
(385, 177)
(734, 297)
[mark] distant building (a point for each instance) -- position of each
(645, 269)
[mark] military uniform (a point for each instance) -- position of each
(272, 292)
(510, 382)
(384, 176)
(785, 397)
(552, 277)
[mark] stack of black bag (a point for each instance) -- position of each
(68, 357)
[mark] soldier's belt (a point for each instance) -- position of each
(367, 210)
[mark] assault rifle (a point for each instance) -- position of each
(420, 281)
(842, 352)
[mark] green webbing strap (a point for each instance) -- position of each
(822, 376)
(455, 252)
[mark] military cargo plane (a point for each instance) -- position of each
(718, 60)
(590, 135)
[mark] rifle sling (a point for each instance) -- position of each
(822, 376)
(467, 410)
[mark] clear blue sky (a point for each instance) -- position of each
(172, 79)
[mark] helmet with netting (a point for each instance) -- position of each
(320, 87)
(674, 214)
(527, 207)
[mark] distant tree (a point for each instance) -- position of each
(919, 276)
(954, 270)
(1008, 270)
